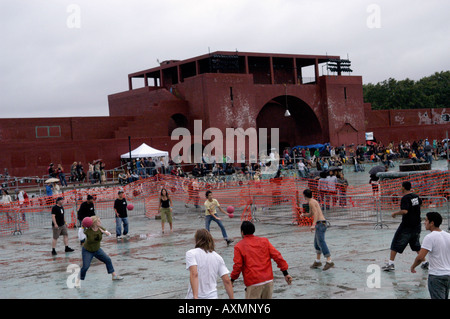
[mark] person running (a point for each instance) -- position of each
(120, 208)
(91, 248)
(165, 209)
(410, 227)
(205, 267)
(59, 226)
(253, 257)
(437, 246)
(319, 225)
(210, 215)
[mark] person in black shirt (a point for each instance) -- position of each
(59, 226)
(87, 209)
(409, 229)
(165, 209)
(120, 208)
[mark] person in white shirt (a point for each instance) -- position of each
(205, 267)
(302, 168)
(437, 246)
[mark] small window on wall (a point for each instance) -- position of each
(48, 131)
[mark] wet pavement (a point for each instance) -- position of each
(153, 264)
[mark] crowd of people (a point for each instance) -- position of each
(253, 255)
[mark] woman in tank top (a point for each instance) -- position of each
(165, 209)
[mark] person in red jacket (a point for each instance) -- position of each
(253, 257)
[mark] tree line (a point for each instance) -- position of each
(429, 92)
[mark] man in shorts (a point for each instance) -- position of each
(59, 226)
(408, 231)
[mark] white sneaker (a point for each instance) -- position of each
(117, 277)
(388, 267)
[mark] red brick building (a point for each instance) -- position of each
(224, 90)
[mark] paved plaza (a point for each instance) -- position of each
(153, 264)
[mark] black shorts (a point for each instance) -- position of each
(404, 236)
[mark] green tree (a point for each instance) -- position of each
(429, 92)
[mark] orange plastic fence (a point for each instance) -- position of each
(236, 193)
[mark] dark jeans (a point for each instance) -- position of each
(438, 286)
(87, 258)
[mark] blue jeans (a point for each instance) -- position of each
(209, 218)
(87, 258)
(119, 222)
(319, 240)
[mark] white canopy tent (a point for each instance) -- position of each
(145, 151)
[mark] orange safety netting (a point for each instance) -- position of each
(239, 194)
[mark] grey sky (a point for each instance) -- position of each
(57, 61)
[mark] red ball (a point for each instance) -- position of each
(87, 222)
(130, 206)
(231, 215)
(230, 209)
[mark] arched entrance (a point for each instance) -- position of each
(302, 127)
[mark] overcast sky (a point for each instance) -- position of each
(63, 58)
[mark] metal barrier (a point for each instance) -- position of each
(390, 204)
(15, 220)
(376, 209)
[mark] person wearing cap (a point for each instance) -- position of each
(87, 209)
(59, 226)
(120, 208)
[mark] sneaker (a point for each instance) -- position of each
(425, 265)
(117, 277)
(328, 265)
(68, 249)
(54, 253)
(229, 241)
(388, 267)
(119, 237)
(316, 265)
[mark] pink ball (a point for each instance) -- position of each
(230, 210)
(87, 222)
(231, 215)
(130, 206)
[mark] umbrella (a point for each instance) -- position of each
(52, 180)
(377, 169)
